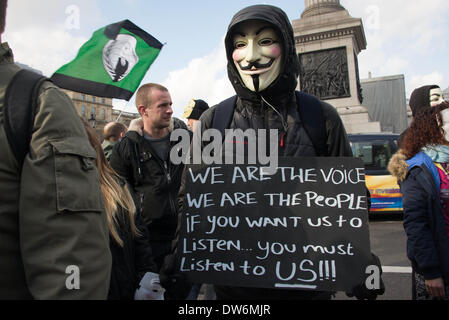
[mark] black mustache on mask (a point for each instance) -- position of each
(257, 65)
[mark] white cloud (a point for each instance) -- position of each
(394, 19)
(417, 81)
(45, 34)
(404, 37)
(47, 53)
(204, 78)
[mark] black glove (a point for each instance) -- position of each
(361, 292)
(175, 283)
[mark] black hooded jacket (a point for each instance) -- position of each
(251, 112)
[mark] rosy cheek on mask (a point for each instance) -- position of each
(237, 55)
(275, 52)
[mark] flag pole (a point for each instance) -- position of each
(120, 114)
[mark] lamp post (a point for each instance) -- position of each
(92, 121)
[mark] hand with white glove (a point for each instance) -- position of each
(150, 288)
(137, 126)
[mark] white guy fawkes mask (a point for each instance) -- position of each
(257, 54)
(436, 96)
(445, 119)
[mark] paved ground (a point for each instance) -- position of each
(388, 241)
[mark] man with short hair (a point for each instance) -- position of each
(113, 132)
(53, 229)
(144, 161)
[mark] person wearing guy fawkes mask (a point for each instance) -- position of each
(423, 97)
(421, 167)
(263, 68)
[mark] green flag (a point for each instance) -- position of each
(112, 63)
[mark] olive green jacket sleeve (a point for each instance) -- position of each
(64, 240)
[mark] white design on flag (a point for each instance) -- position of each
(119, 56)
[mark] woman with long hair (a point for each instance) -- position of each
(131, 253)
(422, 169)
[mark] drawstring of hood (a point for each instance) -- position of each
(284, 122)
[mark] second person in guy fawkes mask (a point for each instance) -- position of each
(422, 169)
(263, 68)
(423, 97)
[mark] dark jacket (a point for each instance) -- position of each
(251, 112)
(155, 183)
(427, 238)
(130, 262)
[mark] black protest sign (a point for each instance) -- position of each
(304, 227)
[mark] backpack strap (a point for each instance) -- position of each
(20, 108)
(310, 111)
(312, 117)
(223, 115)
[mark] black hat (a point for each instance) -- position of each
(420, 98)
(195, 109)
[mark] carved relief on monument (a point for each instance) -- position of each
(325, 73)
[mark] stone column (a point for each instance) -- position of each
(328, 41)
(315, 7)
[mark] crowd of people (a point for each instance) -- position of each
(108, 213)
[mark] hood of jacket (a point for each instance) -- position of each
(284, 86)
(399, 166)
(420, 98)
(136, 127)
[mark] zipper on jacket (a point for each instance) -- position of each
(167, 172)
(141, 203)
(170, 198)
(166, 169)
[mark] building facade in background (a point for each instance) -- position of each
(98, 111)
(386, 102)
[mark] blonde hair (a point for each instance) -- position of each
(114, 195)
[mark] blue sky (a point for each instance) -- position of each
(407, 37)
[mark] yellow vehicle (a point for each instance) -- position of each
(376, 150)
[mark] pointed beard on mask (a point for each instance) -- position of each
(256, 82)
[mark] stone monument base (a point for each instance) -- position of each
(356, 120)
